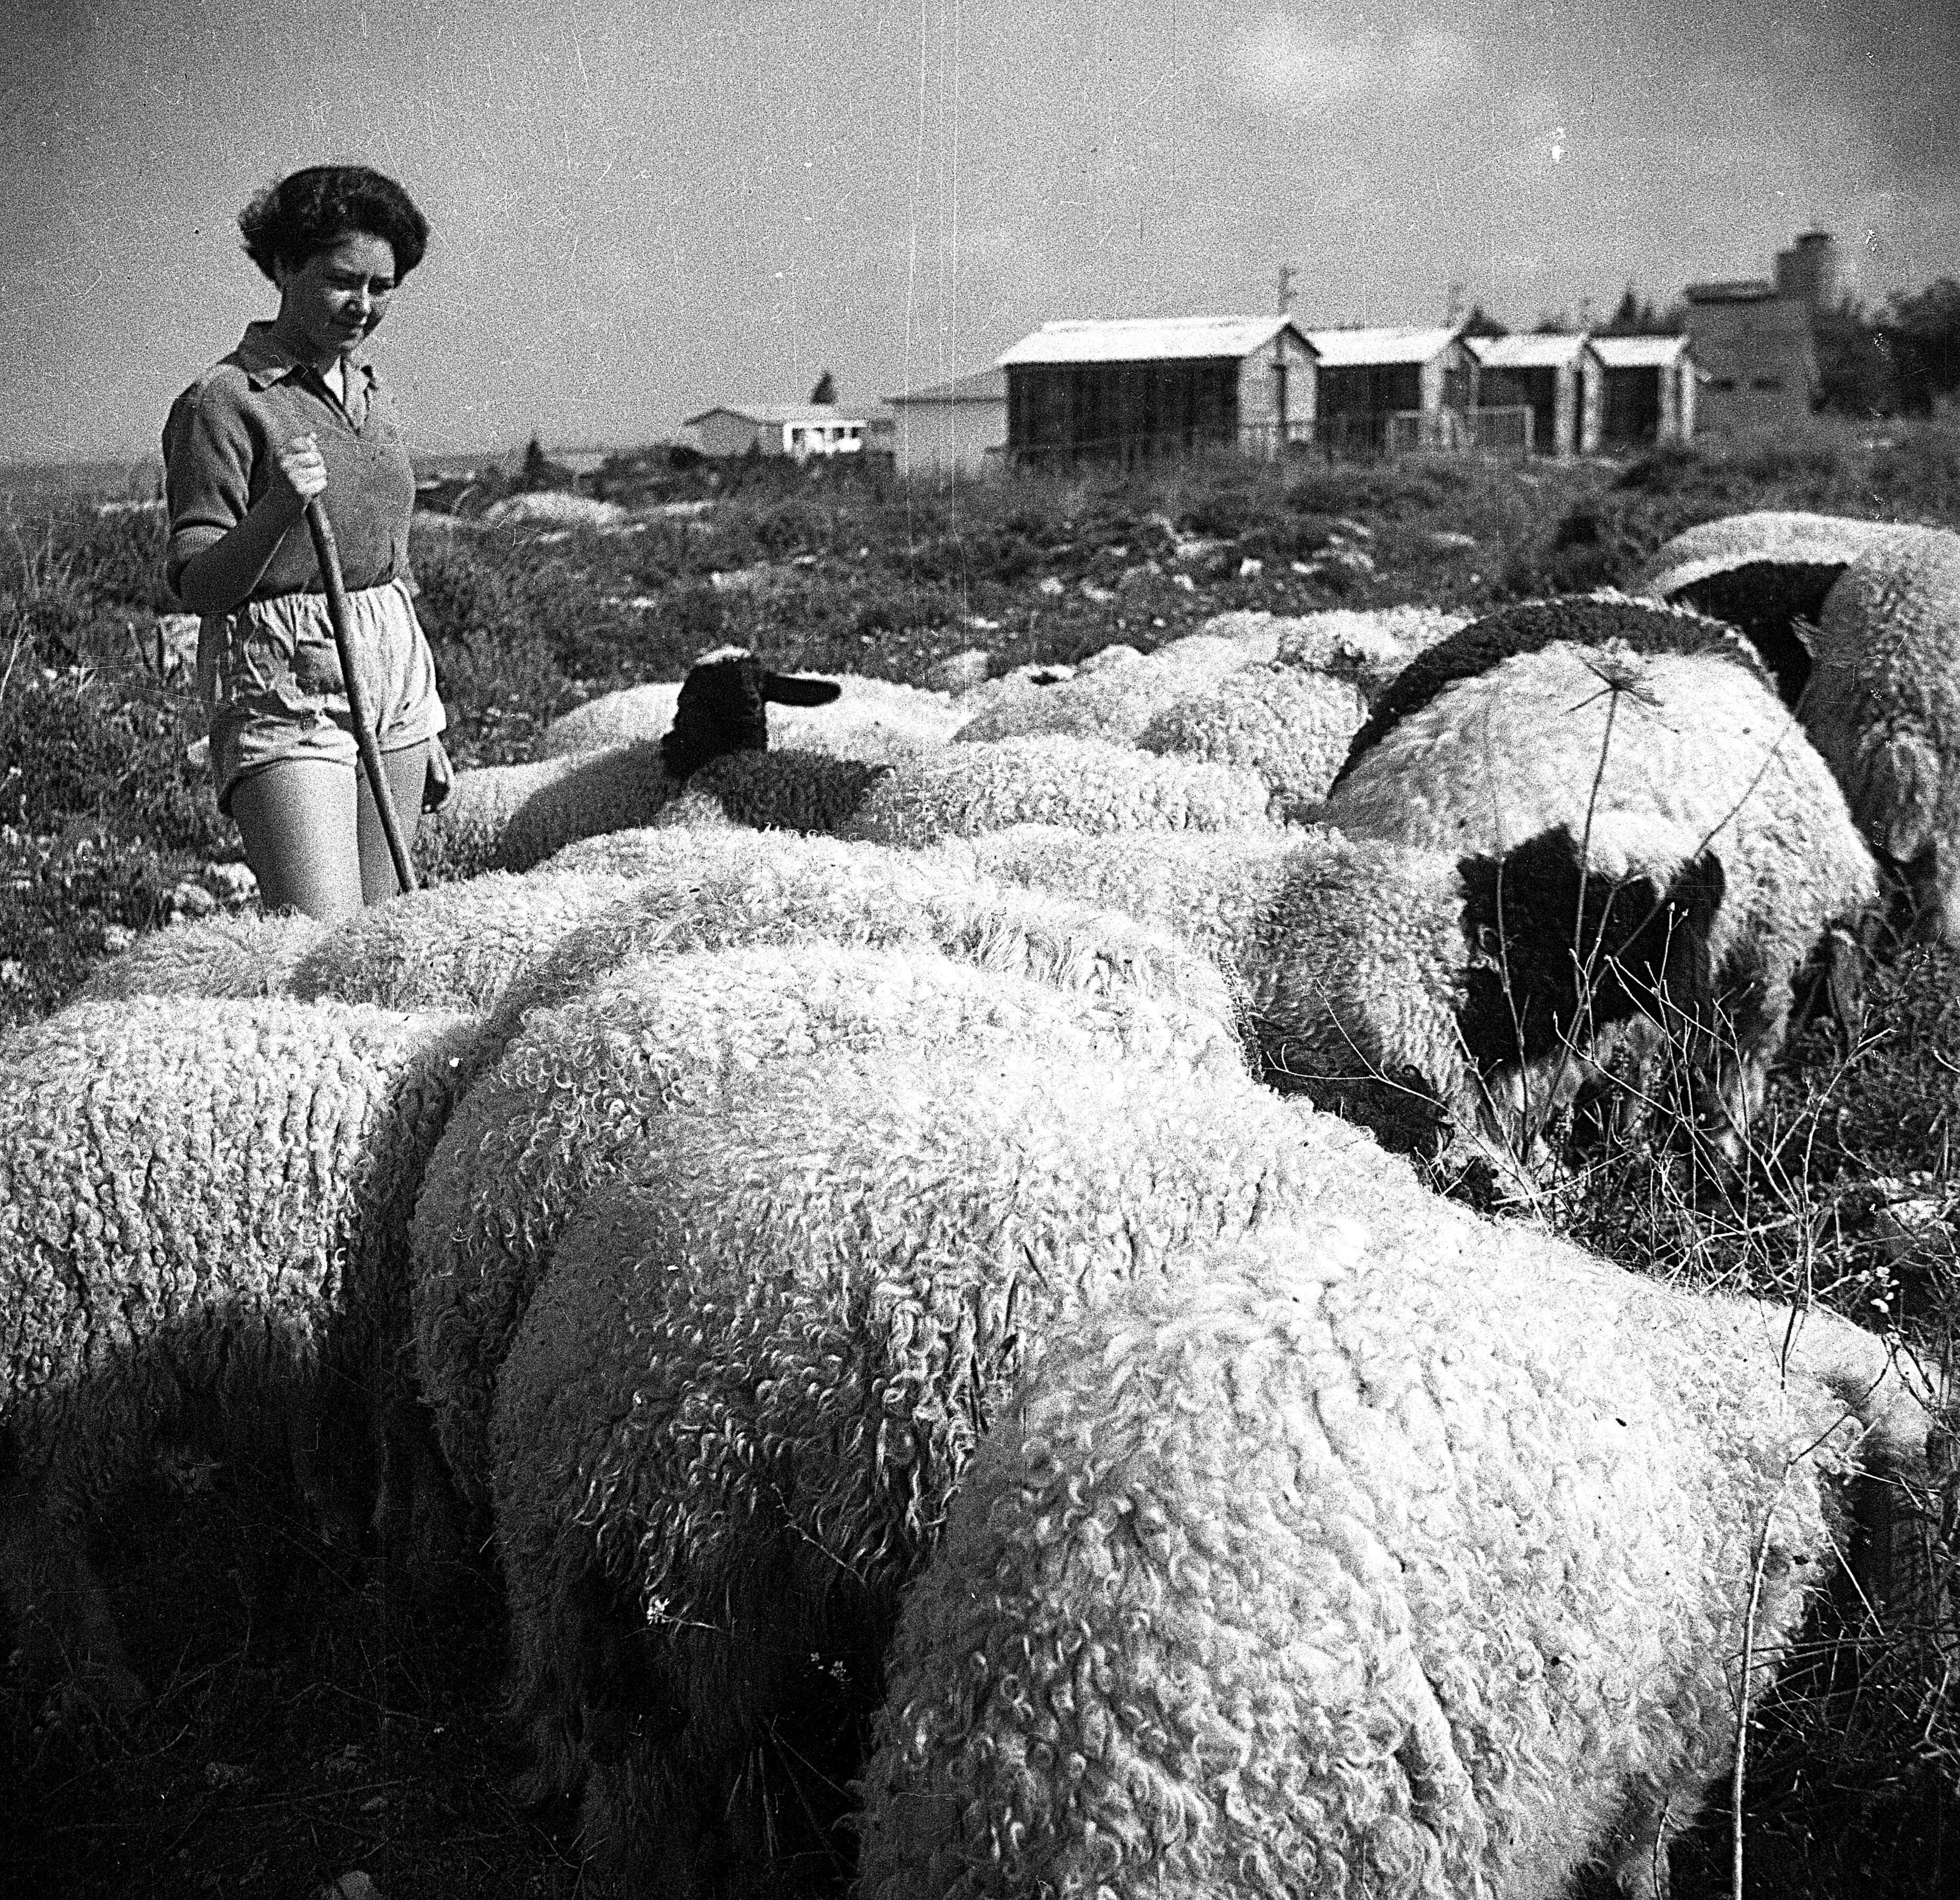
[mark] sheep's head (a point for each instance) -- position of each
(724, 707)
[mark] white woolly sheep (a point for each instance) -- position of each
(1367, 646)
(732, 1420)
(231, 954)
(1434, 999)
(1091, 784)
(1682, 764)
(203, 1214)
(1370, 1567)
(876, 720)
(578, 1086)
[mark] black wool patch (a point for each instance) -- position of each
(1571, 953)
(1528, 628)
(1764, 600)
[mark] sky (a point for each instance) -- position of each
(641, 209)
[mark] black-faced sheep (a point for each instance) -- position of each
(1363, 1566)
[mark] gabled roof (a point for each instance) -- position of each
(777, 413)
(1528, 351)
(983, 386)
(1146, 340)
(1357, 349)
(1640, 352)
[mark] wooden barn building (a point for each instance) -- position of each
(1381, 390)
(1134, 389)
(1560, 379)
(1649, 389)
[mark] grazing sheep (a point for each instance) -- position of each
(510, 817)
(1361, 1566)
(1435, 1000)
(1883, 706)
(1367, 646)
(783, 790)
(876, 720)
(203, 1218)
(732, 1420)
(1675, 759)
(1762, 573)
(1530, 625)
(231, 954)
(1114, 700)
(1091, 784)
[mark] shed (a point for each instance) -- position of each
(797, 429)
(1383, 388)
(951, 428)
(1559, 378)
(1134, 388)
(1649, 389)
(1758, 358)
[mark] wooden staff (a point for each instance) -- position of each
(327, 551)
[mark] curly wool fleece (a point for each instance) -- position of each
(578, 1089)
(729, 1424)
(206, 1205)
(1377, 1563)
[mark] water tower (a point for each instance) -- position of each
(1808, 270)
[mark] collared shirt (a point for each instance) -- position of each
(221, 452)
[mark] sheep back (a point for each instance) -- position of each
(231, 955)
(1113, 700)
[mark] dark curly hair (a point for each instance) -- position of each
(312, 211)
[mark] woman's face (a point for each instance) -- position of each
(336, 297)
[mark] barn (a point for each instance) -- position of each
(1560, 379)
(1134, 389)
(957, 428)
(1381, 390)
(1649, 389)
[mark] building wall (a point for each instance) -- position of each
(1758, 359)
(1261, 426)
(948, 438)
(1124, 411)
(722, 432)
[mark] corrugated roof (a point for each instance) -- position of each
(1640, 352)
(777, 413)
(1144, 339)
(983, 386)
(1527, 352)
(1353, 349)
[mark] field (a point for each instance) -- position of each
(306, 1723)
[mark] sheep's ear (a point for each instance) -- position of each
(1804, 632)
(799, 689)
(1894, 800)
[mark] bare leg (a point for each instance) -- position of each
(405, 769)
(297, 816)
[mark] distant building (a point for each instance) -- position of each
(1381, 390)
(950, 428)
(1560, 379)
(1649, 394)
(1754, 339)
(797, 429)
(1134, 389)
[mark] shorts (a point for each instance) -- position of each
(269, 674)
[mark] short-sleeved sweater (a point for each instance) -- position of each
(221, 452)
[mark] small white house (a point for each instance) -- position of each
(1649, 389)
(1390, 387)
(796, 429)
(951, 428)
(1559, 378)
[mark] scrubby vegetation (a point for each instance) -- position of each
(309, 1728)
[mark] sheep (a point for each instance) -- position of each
(876, 720)
(1367, 646)
(788, 790)
(1762, 573)
(510, 817)
(1676, 761)
(1112, 701)
(1359, 1565)
(230, 954)
(580, 1082)
(1883, 706)
(1435, 1000)
(730, 1422)
(203, 1214)
(1092, 783)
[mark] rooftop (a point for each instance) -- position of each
(983, 386)
(1640, 352)
(777, 413)
(1143, 339)
(1527, 351)
(1353, 348)
(1738, 289)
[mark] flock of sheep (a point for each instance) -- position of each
(896, 1217)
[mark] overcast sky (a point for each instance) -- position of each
(640, 209)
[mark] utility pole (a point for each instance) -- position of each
(1286, 289)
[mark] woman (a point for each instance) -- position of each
(292, 413)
